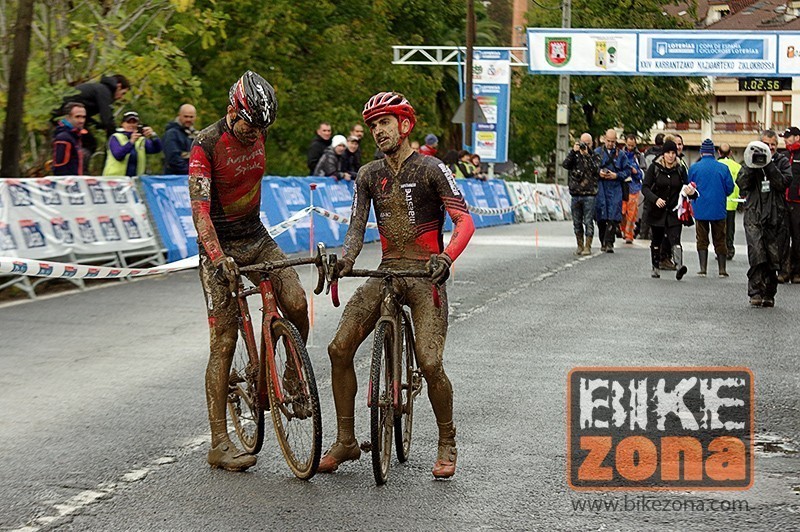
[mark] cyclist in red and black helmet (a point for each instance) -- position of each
(226, 166)
(410, 194)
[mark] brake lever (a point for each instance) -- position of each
(322, 273)
(333, 280)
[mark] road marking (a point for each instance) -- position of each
(107, 490)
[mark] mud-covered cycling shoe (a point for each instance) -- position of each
(445, 466)
(227, 456)
(338, 453)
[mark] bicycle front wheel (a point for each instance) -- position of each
(410, 386)
(381, 411)
(294, 400)
(247, 415)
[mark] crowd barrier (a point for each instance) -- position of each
(85, 217)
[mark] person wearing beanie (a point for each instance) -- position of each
(664, 181)
(330, 164)
(431, 145)
(714, 184)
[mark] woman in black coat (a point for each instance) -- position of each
(662, 185)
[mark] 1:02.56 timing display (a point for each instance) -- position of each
(765, 84)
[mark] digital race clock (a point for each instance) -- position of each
(765, 84)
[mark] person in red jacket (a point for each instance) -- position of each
(431, 145)
(791, 262)
(410, 194)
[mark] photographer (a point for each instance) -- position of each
(582, 166)
(127, 148)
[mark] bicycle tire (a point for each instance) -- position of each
(246, 412)
(297, 418)
(381, 411)
(410, 381)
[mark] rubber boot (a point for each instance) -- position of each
(587, 247)
(579, 239)
(703, 254)
(654, 262)
(677, 258)
(721, 261)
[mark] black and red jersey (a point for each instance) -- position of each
(225, 187)
(409, 208)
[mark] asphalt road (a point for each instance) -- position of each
(103, 422)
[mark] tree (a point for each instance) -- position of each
(16, 90)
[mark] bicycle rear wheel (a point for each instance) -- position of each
(247, 415)
(381, 411)
(410, 386)
(294, 401)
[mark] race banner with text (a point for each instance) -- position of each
(663, 52)
(55, 216)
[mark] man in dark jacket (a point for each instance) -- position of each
(68, 154)
(178, 137)
(321, 141)
(97, 98)
(651, 154)
(582, 165)
(791, 261)
(764, 186)
(614, 168)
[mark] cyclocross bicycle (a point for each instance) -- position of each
(395, 379)
(277, 376)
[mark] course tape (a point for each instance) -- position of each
(344, 220)
(69, 270)
(494, 211)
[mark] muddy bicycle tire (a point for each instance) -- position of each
(245, 411)
(403, 420)
(297, 418)
(381, 411)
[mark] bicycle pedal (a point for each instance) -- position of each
(366, 446)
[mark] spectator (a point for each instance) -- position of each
(464, 166)
(178, 137)
(630, 208)
(613, 170)
(649, 156)
(724, 151)
(451, 159)
(97, 98)
(351, 161)
(763, 185)
(129, 146)
(431, 145)
(69, 157)
(356, 131)
(415, 145)
(791, 262)
(581, 163)
(714, 184)
(681, 156)
(662, 186)
(330, 164)
(475, 159)
(321, 141)
(770, 138)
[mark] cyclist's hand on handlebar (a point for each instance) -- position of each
(344, 266)
(439, 266)
(228, 272)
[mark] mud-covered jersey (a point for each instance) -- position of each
(409, 208)
(225, 187)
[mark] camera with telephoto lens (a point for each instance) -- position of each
(584, 146)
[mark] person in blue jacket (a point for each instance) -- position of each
(178, 137)
(714, 184)
(614, 168)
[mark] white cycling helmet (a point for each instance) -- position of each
(757, 155)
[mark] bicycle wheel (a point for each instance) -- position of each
(246, 413)
(294, 401)
(410, 386)
(381, 411)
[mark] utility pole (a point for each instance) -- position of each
(562, 111)
(469, 110)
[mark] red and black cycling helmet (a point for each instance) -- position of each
(254, 100)
(390, 103)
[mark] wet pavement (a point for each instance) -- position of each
(103, 422)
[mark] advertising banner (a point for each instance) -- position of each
(491, 87)
(663, 52)
(55, 216)
(171, 209)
